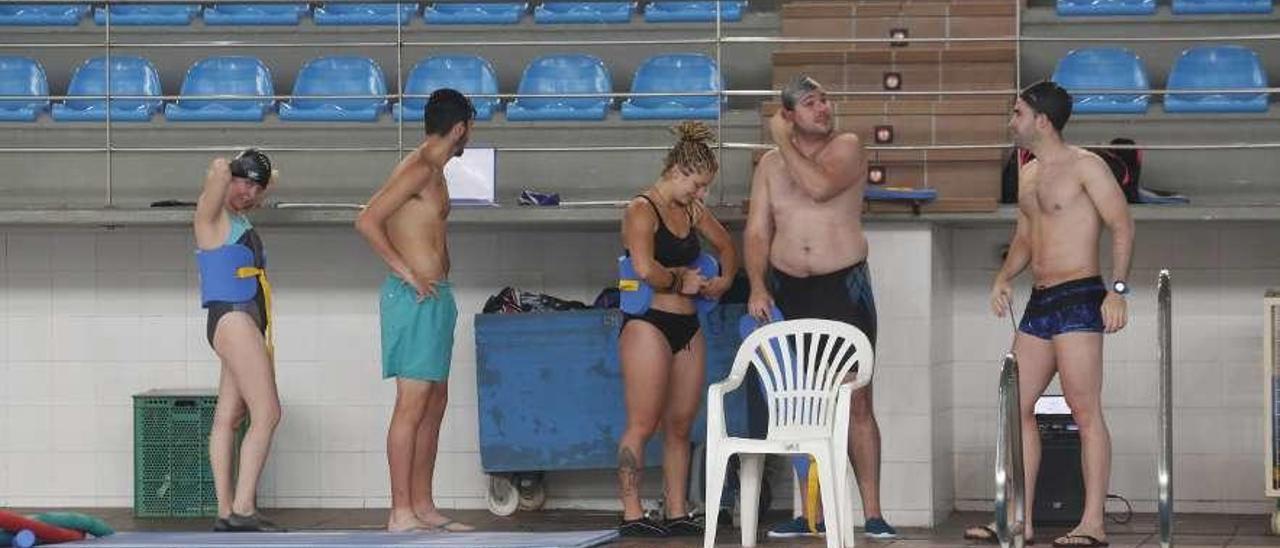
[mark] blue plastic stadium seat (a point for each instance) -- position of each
(681, 72)
(567, 73)
(1104, 68)
(224, 76)
(675, 11)
(1106, 7)
(22, 76)
(338, 75)
(130, 76)
(255, 14)
(363, 14)
(148, 14)
(1221, 6)
(1216, 67)
(42, 14)
(474, 13)
(466, 73)
(584, 12)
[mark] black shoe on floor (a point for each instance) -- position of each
(221, 526)
(692, 525)
(251, 524)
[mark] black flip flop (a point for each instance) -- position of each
(643, 527)
(991, 537)
(1093, 542)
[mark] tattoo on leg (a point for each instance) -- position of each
(628, 472)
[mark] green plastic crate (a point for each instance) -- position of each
(171, 474)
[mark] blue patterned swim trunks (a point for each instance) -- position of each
(1074, 306)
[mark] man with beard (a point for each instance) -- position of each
(806, 253)
(1066, 195)
(405, 223)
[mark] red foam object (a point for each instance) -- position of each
(45, 533)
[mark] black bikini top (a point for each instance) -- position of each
(668, 249)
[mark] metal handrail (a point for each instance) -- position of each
(717, 40)
(627, 94)
(684, 41)
(283, 97)
(694, 41)
(626, 148)
(1010, 480)
(1164, 463)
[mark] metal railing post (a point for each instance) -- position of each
(1010, 507)
(1164, 464)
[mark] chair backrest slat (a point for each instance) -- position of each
(802, 364)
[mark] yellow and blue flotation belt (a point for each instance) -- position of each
(228, 274)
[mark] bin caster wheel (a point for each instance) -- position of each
(533, 492)
(503, 497)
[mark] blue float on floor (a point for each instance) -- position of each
(342, 539)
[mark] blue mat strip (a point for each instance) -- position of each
(335, 539)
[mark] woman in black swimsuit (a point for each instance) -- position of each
(663, 351)
(234, 288)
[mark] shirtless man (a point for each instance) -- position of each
(805, 250)
(1065, 197)
(404, 222)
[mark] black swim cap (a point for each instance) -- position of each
(253, 165)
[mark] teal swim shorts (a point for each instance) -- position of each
(417, 337)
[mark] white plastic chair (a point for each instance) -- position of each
(809, 370)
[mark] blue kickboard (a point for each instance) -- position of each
(898, 194)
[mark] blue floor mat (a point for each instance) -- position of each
(335, 539)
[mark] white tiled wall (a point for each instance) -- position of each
(902, 388)
(941, 366)
(1219, 274)
(91, 317)
(901, 274)
(95, 316)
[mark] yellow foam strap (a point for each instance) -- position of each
(261, 274)
(811, 503)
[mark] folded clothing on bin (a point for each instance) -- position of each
(533, 197)
(513, 301)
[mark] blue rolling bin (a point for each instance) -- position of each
(550, 396)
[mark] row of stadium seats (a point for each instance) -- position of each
(1202, 67)
(551, 12)
(1148, 7)
(360, 84)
